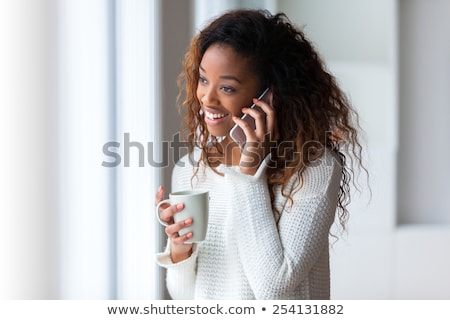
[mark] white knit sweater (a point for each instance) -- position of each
(245, 254)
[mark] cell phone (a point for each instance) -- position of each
(236, 133)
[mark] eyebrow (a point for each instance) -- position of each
(225, 77)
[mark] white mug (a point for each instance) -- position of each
(196, 206)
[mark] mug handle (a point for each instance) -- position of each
(157, 212)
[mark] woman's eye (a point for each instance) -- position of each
(228, 89)
(202, 80)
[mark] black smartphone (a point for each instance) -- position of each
(236, 133)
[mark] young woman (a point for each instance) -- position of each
(273, 201)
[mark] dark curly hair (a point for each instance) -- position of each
(313, 114)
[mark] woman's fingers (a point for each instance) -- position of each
(259, 140)
(265, 121)
(260, 124)
(173, 230)
(179, 249)
(159, 195)
(271, 121)
(248, 131)
(169, 211)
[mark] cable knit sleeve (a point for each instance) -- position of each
(275, 258)
(180, 278)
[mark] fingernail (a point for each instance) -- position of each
(180, 206)
(188, 221)
(189, 235)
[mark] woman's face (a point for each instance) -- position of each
(226, 85)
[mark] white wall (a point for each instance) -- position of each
(425, 112)
(28, 180)
(422, 258)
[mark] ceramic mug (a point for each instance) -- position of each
(196, 206)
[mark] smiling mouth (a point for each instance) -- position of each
(214, 116)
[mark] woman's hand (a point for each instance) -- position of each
(179, 250)
(260, 140)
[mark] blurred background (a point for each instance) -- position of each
(88, 114)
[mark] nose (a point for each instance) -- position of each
(208, 96)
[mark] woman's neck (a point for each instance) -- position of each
(227, 153)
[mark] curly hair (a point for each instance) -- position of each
(313, 114)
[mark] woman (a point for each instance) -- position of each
(272, 203)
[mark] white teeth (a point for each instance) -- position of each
(214, 116)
